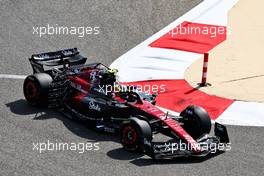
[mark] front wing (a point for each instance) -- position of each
(207, 144)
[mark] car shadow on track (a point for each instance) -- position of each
(139, 160)
(21, 107)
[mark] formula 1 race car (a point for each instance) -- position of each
(61, 80)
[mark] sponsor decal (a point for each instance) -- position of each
(93, 105)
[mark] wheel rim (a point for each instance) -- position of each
(31, 90)
(129, 136)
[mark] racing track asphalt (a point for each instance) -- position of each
(123, 24)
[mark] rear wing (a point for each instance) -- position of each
(71, 57)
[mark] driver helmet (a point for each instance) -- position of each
(108, 77)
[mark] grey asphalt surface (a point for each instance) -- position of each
(123, 25)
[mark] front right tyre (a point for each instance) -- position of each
(133, 134)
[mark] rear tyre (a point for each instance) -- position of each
(196, 121)
(134, 133)
(36, 88)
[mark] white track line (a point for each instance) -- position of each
(7, 76)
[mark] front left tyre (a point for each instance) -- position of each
(196, 121)
(36, 89)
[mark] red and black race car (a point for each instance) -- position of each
(61, 80)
